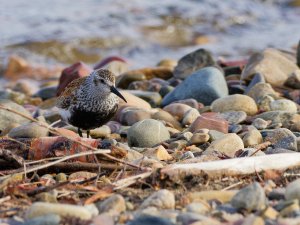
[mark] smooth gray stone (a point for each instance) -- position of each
(204, 85)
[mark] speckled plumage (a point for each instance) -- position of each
(89, 102)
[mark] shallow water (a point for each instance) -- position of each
(142, 31)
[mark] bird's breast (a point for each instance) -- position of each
(88, 119)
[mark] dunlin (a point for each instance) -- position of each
(89, 102)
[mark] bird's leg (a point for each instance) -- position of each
(79, 132)
(88, 133)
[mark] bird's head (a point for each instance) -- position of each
(104, 81)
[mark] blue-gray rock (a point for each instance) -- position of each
(193, 62)
(147, 133)
(46, 92)
(50, 219)
(30, 130)
(282, 138)
(205, 85)
(7, 118)
(250, 198)
(258, 78)
(150, 220)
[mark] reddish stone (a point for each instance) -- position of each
(66, 132)
(107, 60)
(71, 73)
(211, 121)
(18, 68)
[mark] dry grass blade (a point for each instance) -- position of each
(54, 131)
(130, 180)
(98, 151)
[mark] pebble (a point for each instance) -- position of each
(260, 90)
(71, 73)
(293, 190)
(153, 98)
(289, 208)
(149, 220)
(257, 78)
(30, 130)
(133, 155)
(253, 220)
(198, 138)
(177, 110)
(178, 145)
(165, 90)
(228, 144)
(46, 92)
(167, 117)
(187, 155)
(81, 175)
(170, 63)
(101, 132)
(215, 135)
(131, 115)
(252, 137)
(190, 116)
(250, 198)
(50, 219)
(185, 136)
(277, 117)
(270, 213)
(159, 153)
(61, 177)
(282, 138)
(201, 207)
(260, 124)
(147, 133)
(204, 85)
(191, 102)
(113, 205)
(186, 218)
(42, 208)
(47, 197)
(283, 105)
(192, 62)
(221, 196)
(264, 103)
(235, 102)
(7, 118)
(124, 80)
(234, 117)
(211, 121)
(293, 80)
(133, 100)
(272, 64)
(162, 199)
(26, 86)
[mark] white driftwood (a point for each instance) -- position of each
(236, 166)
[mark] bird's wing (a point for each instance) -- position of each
(68, 96)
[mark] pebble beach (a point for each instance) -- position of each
(204, 137)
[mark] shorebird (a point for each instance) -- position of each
(89, 102)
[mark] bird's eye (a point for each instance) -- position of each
(102, 81)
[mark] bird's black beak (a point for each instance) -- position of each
(116, 92)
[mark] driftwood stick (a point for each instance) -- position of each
(68, 167)
(234, 167)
